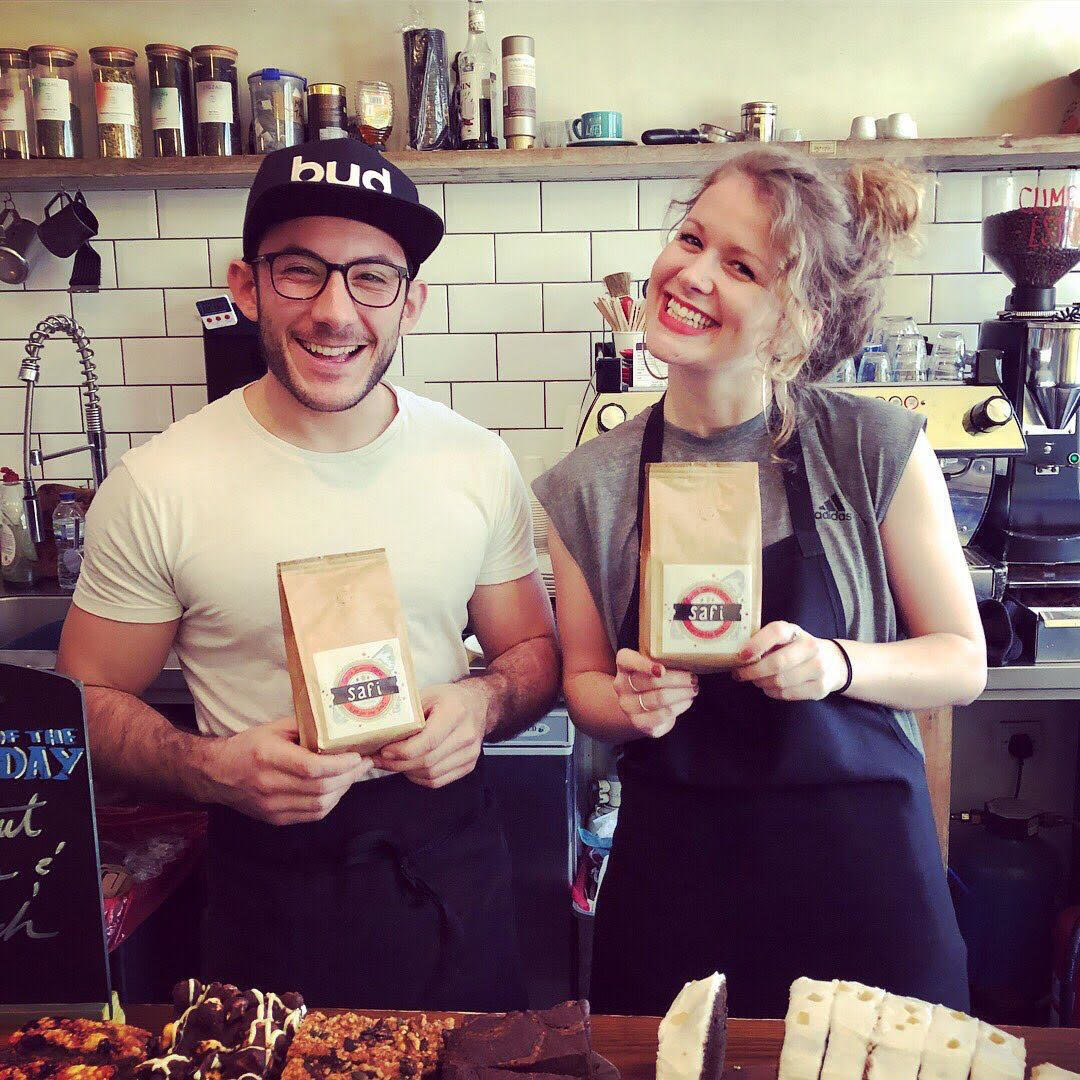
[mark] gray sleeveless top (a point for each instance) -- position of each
(855, 451)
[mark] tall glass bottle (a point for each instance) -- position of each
(477, 86)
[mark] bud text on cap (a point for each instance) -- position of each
(372, 179)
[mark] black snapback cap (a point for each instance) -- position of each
(340, 178)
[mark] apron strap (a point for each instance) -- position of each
(800, 503)
(652, 450)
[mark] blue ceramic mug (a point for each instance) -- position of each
(604, 124)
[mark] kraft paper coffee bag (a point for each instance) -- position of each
(349, 662)
(700, 563)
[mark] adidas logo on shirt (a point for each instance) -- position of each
(832, 509)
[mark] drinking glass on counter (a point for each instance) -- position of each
(948, 357)
(844, 372)
(909, 359)
(893, 327)
(875, 366)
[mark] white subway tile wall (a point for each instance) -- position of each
(505, 337)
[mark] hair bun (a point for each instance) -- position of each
(886, 199)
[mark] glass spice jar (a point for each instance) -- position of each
(119, 126)
(326, 111)
(277, 110)
(374, 112)
(217, 100)
(15, 133)
(57, 119)
(172, 110)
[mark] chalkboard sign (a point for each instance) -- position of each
(52, 935)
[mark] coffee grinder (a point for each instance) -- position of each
(1031, 232)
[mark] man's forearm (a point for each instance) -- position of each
(135, 749)
(521, 685)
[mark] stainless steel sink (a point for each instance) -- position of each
(23, 613)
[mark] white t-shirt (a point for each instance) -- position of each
(192, 525)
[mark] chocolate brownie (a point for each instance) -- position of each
(224, 1033)
(350, 1044)
(554, 1040)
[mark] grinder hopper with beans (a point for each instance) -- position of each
(1031, 232)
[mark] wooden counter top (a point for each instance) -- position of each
(629, 1042)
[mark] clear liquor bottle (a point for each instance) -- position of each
(477, 86)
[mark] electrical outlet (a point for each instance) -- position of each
(1031, 728)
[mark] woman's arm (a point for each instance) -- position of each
(944, 660)
(596, 683)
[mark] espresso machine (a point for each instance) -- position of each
(1032, 520)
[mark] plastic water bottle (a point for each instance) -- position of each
(69, 527)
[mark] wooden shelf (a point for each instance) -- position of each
(591, 163)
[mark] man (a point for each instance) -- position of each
(393, 892)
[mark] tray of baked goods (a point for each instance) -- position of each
(219, 1032)
(834, 1030)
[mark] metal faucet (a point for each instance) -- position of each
(29, 372)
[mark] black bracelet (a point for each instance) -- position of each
(847, 660)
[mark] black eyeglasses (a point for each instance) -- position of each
(302, 275)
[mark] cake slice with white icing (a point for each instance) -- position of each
(1052, 1072)
(898, 1039)
(855, 1011)
(950, 1045)
(693, 1035)
(806, 1028)
(998, 1055)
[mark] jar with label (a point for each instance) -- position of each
(57, 120)
(519, 91)
(18, 556)
(119, 126)
(172, 111)
(374, 112)
(15, 133)
(326, 111)
(217, 100)
(277, 109)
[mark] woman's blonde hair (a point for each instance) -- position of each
(836, 235)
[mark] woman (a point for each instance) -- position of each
(775, 821)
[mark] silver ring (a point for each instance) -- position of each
(630, 680)
(644, 707)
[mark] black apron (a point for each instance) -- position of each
(399, 899)
(769, 839)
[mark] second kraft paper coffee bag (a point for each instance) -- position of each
(700, 563)
(349, 661)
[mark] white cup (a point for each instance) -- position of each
(626, 341)
(900, 125)
(863, 127)
(790, 135)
